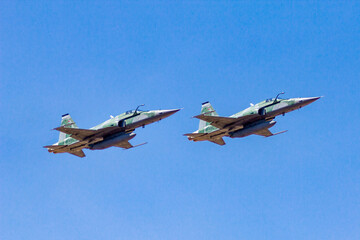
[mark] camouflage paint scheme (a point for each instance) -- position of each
(117, 131)
(256, 119)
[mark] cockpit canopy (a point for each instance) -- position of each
(133, 111)
(272, 99)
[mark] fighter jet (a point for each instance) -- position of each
(256, 119)
(115, 132)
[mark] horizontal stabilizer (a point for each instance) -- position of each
(53, 147)
(72, 149)
(219, 141)
(78, 153)
(194, 135)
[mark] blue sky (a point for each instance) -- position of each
(96, 59)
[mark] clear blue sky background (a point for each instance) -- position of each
(101, 58)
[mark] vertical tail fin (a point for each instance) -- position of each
(208, 110)
(66, 121)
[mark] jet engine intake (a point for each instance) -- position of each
(122, 123)
(252, 128)
(262, 111)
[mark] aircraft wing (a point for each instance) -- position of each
(267, 133)
(82, 134)
(77, 133)
(124, 144)
(264, 132)
(221, 122)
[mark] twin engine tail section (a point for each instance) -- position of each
(208, 110)
(66, 121)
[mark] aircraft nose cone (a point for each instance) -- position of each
(167, 113)
(306, 101)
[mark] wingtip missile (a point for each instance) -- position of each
(138, 145)
(278, 133)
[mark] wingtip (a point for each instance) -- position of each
(278, 133)
(138, 145)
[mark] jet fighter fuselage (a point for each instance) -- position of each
(256, 119)
(115, 132)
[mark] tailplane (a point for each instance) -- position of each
(207, 110)
(219, 141)
(205, 127)
(66, 121)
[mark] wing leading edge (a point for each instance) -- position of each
(222, 122)
(82, 134)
